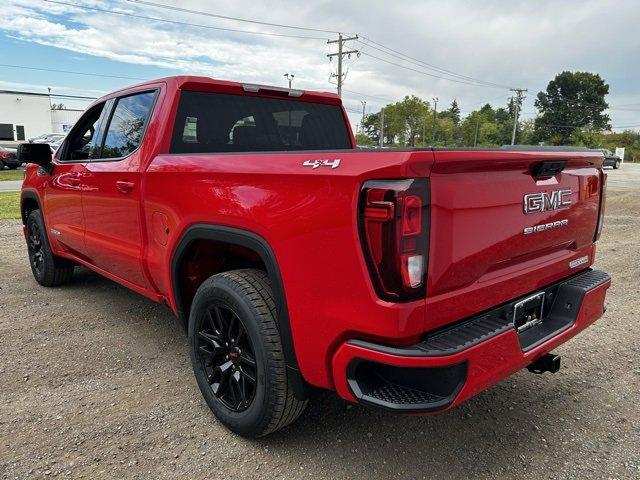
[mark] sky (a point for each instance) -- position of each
(465, 50)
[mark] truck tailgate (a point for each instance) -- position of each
(500, 227)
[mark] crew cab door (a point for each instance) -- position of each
(112, 193)
(63, 190)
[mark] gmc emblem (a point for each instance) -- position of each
(543, 201)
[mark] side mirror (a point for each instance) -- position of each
(38, 153)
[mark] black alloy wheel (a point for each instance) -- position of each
(227, 357)
(34, 247)
(237, 355)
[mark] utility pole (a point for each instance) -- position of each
(435, 113)
(475, 137)
(382, 127)
(424, 132)
(289, 77)
(517, 100)
(364, 114)
(341, 53)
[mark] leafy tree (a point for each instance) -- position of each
(407, 119)
(572, 100)
(526, 130)
(405, 122)
(453, 112)
(362, 139)
(371, 127)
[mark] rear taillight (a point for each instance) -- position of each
(394, 230)
(603, 199)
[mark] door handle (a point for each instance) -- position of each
(125, 186)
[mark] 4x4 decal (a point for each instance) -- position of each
(322, 163)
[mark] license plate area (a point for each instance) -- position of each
(528, 313)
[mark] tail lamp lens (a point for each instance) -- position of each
(603, 199)
(394, 232)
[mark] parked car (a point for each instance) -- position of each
(8, 158)
(56, 144)
(47, 138)
(611, 159)
(408, 280)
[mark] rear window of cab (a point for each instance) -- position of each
(216, 123)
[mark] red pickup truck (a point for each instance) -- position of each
(409, 279)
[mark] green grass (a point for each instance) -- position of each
(9, 205)
(11, 175)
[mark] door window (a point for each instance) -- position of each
(127, 124)
(85, 139)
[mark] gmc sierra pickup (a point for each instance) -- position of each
(409, 280)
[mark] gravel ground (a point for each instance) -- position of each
(96, 383)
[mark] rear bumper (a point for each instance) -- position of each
(455, 364)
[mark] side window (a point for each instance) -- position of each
(127, 125)
(85, 138)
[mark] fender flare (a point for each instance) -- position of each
(259, 245)
(30, 195)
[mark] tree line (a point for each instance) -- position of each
(571, 111)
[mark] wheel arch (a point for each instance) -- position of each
(29, 201)
(252, 241)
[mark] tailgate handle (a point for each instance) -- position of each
(548, 169)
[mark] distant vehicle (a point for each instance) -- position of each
(56, 144)
(611, 159)
(9, 158)
(47, 138)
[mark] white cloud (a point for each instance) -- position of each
(507, 42)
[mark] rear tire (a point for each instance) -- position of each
(237, 355)
(616, 165)
(48, 269)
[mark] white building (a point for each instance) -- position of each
(63, 119)
(26, 114)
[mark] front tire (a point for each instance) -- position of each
(616, 165)
(237, 355)
(48, 269)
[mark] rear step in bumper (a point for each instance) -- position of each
(459, 362)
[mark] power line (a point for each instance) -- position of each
(458, 78)
(25, 67)
(372, 44)
(225, 17)
(368, 95)
(176, 22)
(402, 56)
(429, 74)
(73, 97)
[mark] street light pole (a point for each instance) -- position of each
(289, 77)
